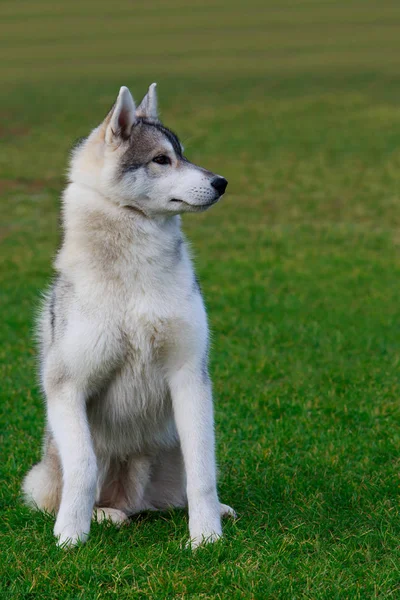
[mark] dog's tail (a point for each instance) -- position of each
(42, 486)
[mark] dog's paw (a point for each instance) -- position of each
(112, 515)
(227, 511)
(69, 534)
(203, 539)
(204, 533)
(69, 538)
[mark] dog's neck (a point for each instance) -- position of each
(102, 234)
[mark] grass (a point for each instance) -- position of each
(298, 105)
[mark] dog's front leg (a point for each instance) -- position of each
(68, 421)
(193, 410)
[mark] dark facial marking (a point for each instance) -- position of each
(143, 144)
(138, 153)
(170, 135)
(130, 166)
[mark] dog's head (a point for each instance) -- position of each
(135, 161)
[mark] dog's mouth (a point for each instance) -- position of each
(195, 206)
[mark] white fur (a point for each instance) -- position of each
(124, 351)
(123, 116)
(148, 106)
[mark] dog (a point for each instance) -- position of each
(124, 338)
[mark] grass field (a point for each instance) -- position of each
(298, 105)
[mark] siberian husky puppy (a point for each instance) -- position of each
(124, 338)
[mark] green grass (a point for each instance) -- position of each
(298, 105)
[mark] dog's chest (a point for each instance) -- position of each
(146, 335)
(134, 411)
(146, 332)
(155, 307)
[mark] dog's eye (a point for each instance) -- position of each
(162, 159)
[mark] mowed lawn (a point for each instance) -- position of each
(298, 105)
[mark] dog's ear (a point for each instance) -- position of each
(121, 117)
(148, 106)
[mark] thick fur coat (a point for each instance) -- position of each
(124, 337)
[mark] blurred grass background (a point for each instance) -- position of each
(298, 105)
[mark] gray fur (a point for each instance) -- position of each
(196, 285)
(144, 143)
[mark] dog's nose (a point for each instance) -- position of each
(219, 184)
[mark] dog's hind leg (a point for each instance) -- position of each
(227, 511)
(113, 515)
(123, 485)
(135, 476)
(140, 483)
(167, 484)
(42, 486)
